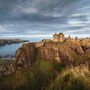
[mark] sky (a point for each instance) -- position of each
(43, 18)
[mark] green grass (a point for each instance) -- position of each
(77, 58)
(46, 75)
(72, 79)
(36, 77)
(6, 61)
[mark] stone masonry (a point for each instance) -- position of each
(58, 37)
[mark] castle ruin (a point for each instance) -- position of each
(58, 37)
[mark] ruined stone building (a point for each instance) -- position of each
(69, 38)
(58, 37)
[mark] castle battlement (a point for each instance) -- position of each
(58, 37)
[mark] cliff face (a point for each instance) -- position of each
(50, 51)
(67, 53)
(25, 55)
(23, 58)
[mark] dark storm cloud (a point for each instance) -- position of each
(39, 16)
(34, 9)
(6, 6)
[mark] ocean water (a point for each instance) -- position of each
(9, 50)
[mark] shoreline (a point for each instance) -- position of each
(11, 41)
(7, 57)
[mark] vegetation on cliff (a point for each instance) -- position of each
(46, 75)
(72, 79)
(53, 66)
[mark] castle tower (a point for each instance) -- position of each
(55, 37)
(58, 37)
(61, 37)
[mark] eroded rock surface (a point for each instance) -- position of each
(66, 53)
(58, 53)
(7, 68)
(25, 55)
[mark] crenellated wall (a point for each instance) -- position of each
(58, 37)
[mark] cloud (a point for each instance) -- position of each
(4, 30)
(42, 17)
(7, 6)
(84, 8)
(78, 35)
(76, 23)
(11, 35)
(35, 9)
(85, 29)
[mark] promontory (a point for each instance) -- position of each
(10, 41)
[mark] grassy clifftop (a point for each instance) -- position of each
(56, 66)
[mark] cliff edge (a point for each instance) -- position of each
(70, 53)
(67, 53)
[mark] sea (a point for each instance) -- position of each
(9, 50)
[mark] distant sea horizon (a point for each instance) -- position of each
(30, 39)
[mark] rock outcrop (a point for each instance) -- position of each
(7, 68)
(25, 55)
(76, 47)
(86, 49)
(50, 51)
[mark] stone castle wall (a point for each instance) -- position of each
(58, 37)
(37, 44)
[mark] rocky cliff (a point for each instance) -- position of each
(67, 53)
(7, 68)
(25, 55)
(51, 51)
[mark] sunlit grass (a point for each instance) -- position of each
(72, 79)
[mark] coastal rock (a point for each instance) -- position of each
(7, 68)
(76, 47)
(58, 53)
(86, 49)
(25, 55)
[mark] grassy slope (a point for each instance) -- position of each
(35, 77)
(72, 79)
(46, 75)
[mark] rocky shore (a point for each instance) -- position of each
(10, 41)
